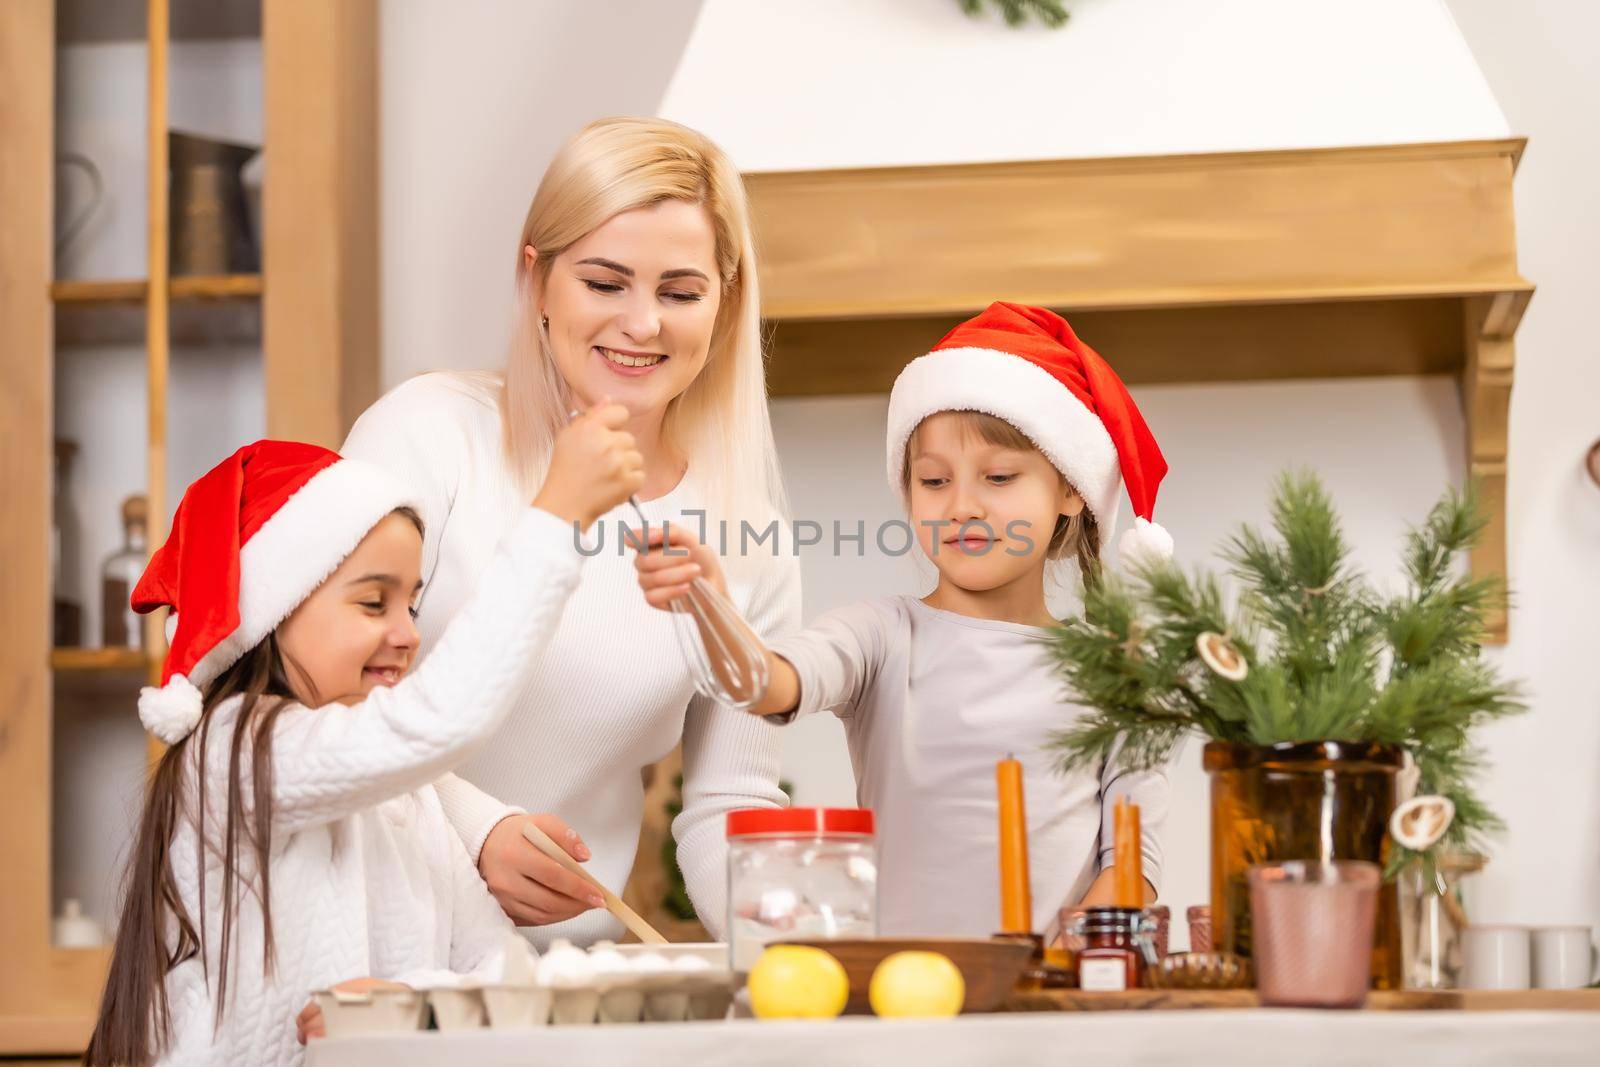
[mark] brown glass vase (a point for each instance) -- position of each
(1320, 800)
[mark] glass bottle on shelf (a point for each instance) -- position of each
(119, 626)
(66, 621)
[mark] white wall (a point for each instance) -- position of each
(1539, 61)
(861, 82)
(845, 83)
(476, 96)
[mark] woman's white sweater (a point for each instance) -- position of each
(367, 876)
(609, 694)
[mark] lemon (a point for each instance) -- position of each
(917, 985)
(797, 982)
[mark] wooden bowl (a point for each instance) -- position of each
(990, 968)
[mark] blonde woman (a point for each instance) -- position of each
(635, 282)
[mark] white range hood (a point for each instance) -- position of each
(869, 83)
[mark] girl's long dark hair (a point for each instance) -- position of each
(156, 932)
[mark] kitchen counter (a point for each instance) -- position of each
(1269, 1038)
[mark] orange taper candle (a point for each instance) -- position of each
(1128, 882)
(1016, 898)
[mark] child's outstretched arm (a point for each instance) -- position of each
(331, 762)
(334, 761)
(673, 558)
(1100, 892)
(828, 666)
(1150, 790)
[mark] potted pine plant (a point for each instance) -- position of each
(1322, 700)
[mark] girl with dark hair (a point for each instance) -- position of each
(291, 839)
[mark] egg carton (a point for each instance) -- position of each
(375, 1011)
(609, 984)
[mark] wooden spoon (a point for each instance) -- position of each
(629, 918)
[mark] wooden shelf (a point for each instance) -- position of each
(191, 323)
(123, 291)
(215, 286)
(222, 309)
(1367, 338)
(94, 21)
(98, 660)
(133, 290)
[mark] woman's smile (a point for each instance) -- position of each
(630, 363)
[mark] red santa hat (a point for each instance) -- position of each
(1025, 365)
(251, 540)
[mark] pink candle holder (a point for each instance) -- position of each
(1313, 925)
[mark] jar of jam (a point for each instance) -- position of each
(1118, 948)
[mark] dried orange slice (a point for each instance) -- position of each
(1218, 653)
(1420, 822)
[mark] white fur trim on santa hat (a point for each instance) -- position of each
(171, 711)
(295, 550)
(1024, 394)
(1144, 543)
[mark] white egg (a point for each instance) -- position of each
(565, 966)
(690, 964)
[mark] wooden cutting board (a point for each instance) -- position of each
(1235, 999)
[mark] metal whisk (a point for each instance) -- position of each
(725, 659)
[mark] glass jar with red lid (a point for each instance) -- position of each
(799, 874)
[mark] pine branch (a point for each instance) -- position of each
(1049, 12)
(1452, 527)
(1327, 658)
(1442, 613)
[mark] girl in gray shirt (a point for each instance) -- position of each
(1010, 443)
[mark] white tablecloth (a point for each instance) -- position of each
(1235, 1038)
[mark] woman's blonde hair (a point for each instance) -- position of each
(720, 423)
(1074, 535)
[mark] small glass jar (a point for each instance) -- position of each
(120, 626)
(1432, 918)
(799, 874)
(1118, 948)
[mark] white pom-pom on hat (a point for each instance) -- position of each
(1144, 542)
(171, 711)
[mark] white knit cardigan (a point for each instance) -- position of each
(367, 875)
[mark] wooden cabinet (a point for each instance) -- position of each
(304, 328)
